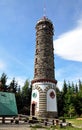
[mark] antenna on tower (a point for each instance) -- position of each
(44, 11)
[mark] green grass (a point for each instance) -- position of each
(76, 121)
(56, 128)
(65, 128)
(69, 128)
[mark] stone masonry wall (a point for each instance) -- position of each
(44, 55)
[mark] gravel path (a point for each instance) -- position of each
(14, 127)
(18, 128)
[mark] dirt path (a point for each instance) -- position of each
(14, 127)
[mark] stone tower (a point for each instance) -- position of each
(43, 100)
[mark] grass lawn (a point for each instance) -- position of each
(57, 128)
(77, 121)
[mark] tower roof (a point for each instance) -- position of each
(44, 19)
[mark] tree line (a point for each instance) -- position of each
(23, 95)
(69, 99)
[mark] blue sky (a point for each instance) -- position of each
(17, 37)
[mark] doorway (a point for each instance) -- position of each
(33, 109)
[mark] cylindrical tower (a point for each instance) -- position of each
(43, 101)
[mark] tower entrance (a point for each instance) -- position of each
(33, 109)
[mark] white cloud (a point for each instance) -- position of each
(19, 80)
(60, 73)
(2, 65)
(72, 78)
(69, 44)
(60, 84)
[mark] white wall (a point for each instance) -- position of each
(35, 99)
(51, 100)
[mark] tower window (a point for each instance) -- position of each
(36, 51)
(44, 26)
(40, 27)
(37, 42)
(36, 60)
(35, 72)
